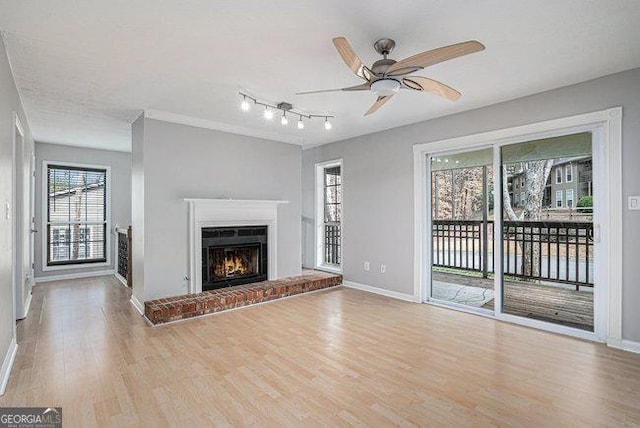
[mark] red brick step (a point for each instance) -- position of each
(169, 309)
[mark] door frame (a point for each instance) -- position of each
(426, 290)
(21, 294)
(606, 126)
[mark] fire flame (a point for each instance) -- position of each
(234, 265)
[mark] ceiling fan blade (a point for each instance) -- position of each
(379, 102)
(435, 56)
(350, 58)
(363, 87)
(419, 83)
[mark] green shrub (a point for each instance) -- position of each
(585, 202)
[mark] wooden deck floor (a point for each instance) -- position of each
(543, 302)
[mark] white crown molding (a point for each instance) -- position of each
(218, 126)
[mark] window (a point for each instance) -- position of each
(76, 219)
(569, 198)
(522, 198)
(515, 182)
(568, 173)
(329, 214)
(559, 175)
(558, 198)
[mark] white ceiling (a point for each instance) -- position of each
(86, 69)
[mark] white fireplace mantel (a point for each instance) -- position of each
(229, 212)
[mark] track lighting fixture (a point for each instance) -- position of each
(327, 124)
(244, 105)
(270, 109)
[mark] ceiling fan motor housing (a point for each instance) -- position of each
(381, 66)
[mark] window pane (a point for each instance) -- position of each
(331, 195)
(76, 212)
(332, 215)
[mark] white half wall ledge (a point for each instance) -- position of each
(225, 213)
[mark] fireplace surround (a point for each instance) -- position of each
(229, 213)
(234, 256)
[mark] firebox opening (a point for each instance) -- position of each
(233, 256)
(233, 262)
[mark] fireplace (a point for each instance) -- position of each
(233, 256)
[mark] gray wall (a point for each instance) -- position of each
(378, 187)
(137, 209)
(9, 103)
(187, 162)
(120, 163)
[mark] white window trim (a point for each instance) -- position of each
(606, 126)
(572, 199)
(45, 193)
(568, 173)
(559, 175)
(319, 217)
(559, 199)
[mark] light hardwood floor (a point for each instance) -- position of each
(336, 357)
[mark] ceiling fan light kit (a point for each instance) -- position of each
(284, 107)
(385, 87)
(386, 76)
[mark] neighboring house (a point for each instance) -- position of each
(570, 179)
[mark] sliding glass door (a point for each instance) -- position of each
(542, 231)
(462, 229)
(547, 230)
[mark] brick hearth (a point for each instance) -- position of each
(161, 311)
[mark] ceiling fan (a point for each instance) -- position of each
(386, 76)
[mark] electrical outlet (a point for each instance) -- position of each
(366, 266)
(383, 268)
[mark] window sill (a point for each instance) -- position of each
(329, 268)
(75, 266)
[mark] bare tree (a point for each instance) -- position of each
(80, 192)
(536, 174)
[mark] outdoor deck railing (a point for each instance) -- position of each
(542, 250)
(332, 243)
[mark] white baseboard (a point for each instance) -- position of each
(136, 304)
(7, 364)
(27, 305)
(625, 345)
(74, 276)
(120, 278)
(381, 291)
